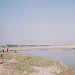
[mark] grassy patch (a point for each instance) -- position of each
(21, 63)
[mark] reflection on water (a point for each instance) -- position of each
(67, 57)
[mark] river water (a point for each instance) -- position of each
(67, 57)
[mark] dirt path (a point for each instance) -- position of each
(1, 69)
(73, 72)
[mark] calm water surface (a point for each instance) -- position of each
(67, 57)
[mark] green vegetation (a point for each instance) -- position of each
(23, 64)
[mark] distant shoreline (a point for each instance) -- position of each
(43, 47)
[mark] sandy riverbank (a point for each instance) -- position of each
(18, 64)
(30, 47)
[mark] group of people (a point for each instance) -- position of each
(3, 52)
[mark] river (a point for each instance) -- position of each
(67, 57)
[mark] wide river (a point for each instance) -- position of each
(67, 57)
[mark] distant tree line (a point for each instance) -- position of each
(12, 45)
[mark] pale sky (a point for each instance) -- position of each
(37, 22)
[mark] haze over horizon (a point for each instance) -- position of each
(37, 22)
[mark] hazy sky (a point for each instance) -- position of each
(37, 21)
